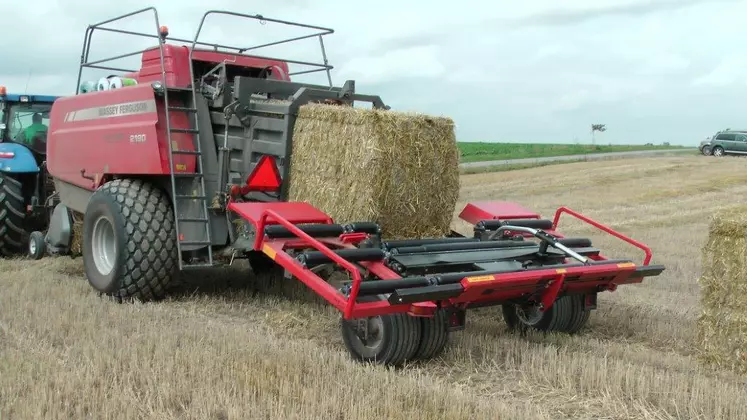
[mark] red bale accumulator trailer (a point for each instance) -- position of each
(188, 166)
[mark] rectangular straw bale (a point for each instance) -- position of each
(398, 169)
(722, 325)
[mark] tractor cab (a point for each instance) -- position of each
(25, 185)
(24, 120)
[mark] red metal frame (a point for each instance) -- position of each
(288, 213)
(604, 228)
(548, 283)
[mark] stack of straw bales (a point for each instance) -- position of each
(722, 326)
(398, 169)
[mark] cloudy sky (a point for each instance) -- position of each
(531, 71)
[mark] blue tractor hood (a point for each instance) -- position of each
(17, 159)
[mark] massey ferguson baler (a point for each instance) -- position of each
(187, 166)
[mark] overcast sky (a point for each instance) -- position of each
(530, 71)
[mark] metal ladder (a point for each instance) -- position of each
(200, 194)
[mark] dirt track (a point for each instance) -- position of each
(214, 352)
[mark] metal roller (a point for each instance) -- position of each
(313, 230)
(363, 227)
(312, 258)
(460, 246)
(400, 243)
(530, 223)
(576, 242)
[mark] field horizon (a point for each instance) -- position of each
(486, 151)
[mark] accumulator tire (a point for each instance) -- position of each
(13, 235)
(567, 315)
(395, 339)
(435, 336)
(129, 240)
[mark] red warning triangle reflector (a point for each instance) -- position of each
(265, 176)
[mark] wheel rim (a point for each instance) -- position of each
(32, 247)
(103, 246)
(367, 335)
(718, 152)
(529, 314)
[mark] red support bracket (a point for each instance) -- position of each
(353, 238)
(548, 298)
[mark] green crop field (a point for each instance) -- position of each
(478, 151)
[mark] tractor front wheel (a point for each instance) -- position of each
(13, 235)
(129, 240)
(568, 315)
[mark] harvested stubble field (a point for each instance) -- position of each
(212, 351)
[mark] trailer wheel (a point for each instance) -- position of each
(435, 336)
(129, 240)
(579, 314)
(387, 339)
(12, 216)
(37, 245)
(566, 315)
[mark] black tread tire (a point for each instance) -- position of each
(579, 315)
(566, 315)
(435, 336)
(145, 236)
(267, 273)
(402, 334)
(37, 238)
(13, 235)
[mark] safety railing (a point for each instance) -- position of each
(603, 228)
(318, 32)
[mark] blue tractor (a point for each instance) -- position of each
(25, 185)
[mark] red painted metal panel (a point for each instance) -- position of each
(112, 132)
(176, 63)
(293, 212)
(514, 285)
(486, 210)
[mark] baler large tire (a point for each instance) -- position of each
(13, 235)
(129, 240)
(566, 315)
(397, 338)
(434, 337)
